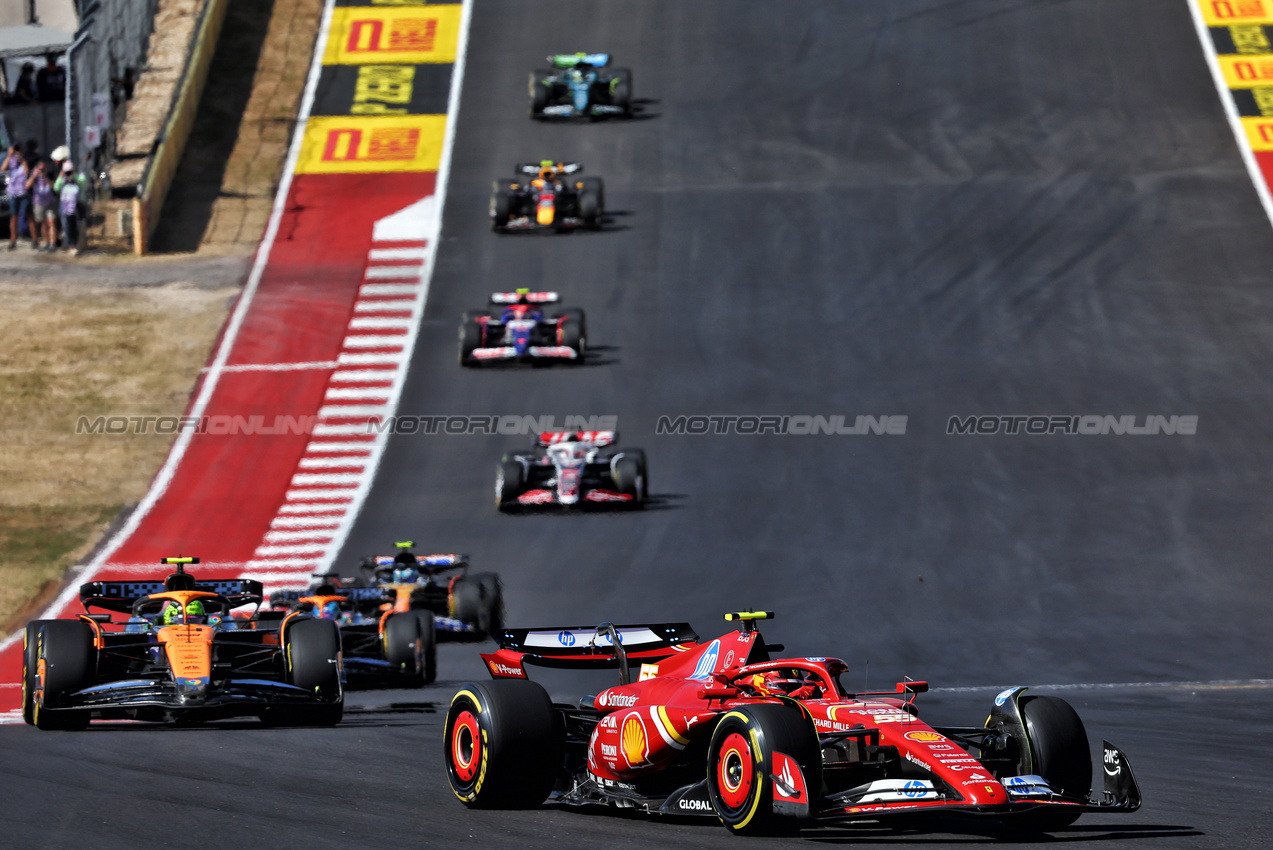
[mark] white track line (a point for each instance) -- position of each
(418, 293)
(169, 470)
(1231, 110)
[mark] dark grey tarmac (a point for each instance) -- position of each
(921, 209)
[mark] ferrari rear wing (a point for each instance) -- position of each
(586, 647)
(120, 595)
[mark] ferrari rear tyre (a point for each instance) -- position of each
(404, 646)
(740, 765)
(510, 481)
(502, 747)
(1061, 754)
(66, 649)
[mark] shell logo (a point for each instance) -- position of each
(926, 737)
(633, 739)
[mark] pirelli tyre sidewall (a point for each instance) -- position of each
(501, 744)
(30, 662)
(740, 765)
(405, 646)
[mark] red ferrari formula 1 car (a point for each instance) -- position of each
(765, 745)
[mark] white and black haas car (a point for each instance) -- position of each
(523, 326)
(572, 469)
(548, 195)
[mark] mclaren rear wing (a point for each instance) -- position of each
(586, 647)
(120, 595)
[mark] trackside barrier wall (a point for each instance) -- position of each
(162, 166)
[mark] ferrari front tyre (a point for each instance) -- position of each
(67, 656)
(1061, 754)
(311, 653)
(510, 480)
(538, 92)
(404, 646)
(740, 765)
(502, 748)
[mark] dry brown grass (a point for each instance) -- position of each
(68, 351)
(69, 348)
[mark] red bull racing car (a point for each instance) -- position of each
(520, 329)
(180, 656)
(724, 730)
(548, 195)
(572, 468)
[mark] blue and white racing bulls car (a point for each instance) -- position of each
(523, 330)
(579, 87)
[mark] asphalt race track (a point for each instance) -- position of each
(929, 209)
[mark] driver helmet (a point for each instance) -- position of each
(775, 683)
(405, 575)
(547, 171)
(330, 610)
(195, 612)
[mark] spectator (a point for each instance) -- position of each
(72, 189)
(44, 202)
(51, 80)
(20, 199)
(25, 91)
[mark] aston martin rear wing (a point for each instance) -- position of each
(120, 595)
(586, 647)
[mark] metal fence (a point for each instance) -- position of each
(108, 54)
